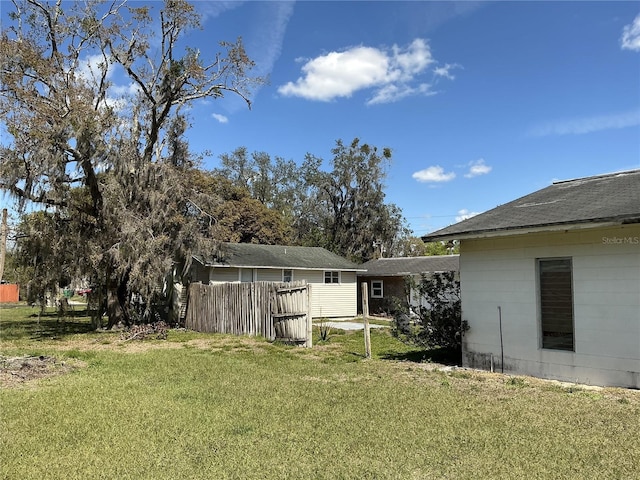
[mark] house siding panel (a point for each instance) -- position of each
(269, 275)
(311, 276)
(501, 272)
(334, 300)
(218, 275)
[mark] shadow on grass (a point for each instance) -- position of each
(445, 356)
(48, 325)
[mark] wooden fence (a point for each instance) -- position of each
(274, 310)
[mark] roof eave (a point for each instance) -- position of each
(226, 265)
(503, 232)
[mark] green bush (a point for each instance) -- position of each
(438, 321)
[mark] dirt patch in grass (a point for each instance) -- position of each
(111, 341)
(15, 371)
(19, 370)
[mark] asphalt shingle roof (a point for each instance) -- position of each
(390, 267)
(612, 198)
(250, 255)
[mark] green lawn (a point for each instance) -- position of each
(199, 406)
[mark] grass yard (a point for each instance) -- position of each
(200, 406)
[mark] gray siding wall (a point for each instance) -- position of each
(502, 272)
(217, 275)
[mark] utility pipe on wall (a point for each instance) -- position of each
(501, 344)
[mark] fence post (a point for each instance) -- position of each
(309, 342)
(365, 317)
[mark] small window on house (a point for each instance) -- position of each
(246, 275)
(556, 303)
(376, 289)
(332, 277)
(287, 275)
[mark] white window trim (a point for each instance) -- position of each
(373, 289)
(324, 277)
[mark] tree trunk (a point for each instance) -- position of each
(115, 312)
(117, 301)
(96, 305)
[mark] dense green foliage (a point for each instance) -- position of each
(415, 247)
(438, 321)
(342, 209)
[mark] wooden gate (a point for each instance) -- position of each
(274, 310)
(291, 313)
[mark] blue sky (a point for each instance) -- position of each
(480, 102)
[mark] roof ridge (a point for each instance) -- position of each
(594, 177)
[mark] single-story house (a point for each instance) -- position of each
(386, 279)
(333, 278)
(550, 282)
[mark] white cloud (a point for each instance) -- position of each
(262, 40)
(478, 167)
(392, 74)
(393, 93)
(414, 60)
(220, 118)
(579, 126)
(124, 90)
(445, 71)
(630, 39)
(339, 74)
(433, 174)
(464, 214)
(214, 9)
(90, 68)
(268, 35)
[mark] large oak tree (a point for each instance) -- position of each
(344, 209)
(92, 98)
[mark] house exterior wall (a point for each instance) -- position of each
(336, 300)
(221, 275)
(328, 300)
(392, 287)
(199, 273)
(502, 272)
(269, 275)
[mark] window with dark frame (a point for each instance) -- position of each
(376, 289)
(556, 303)
(287, 275)
(331, 277)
